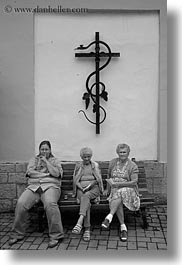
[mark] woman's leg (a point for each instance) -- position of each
(50, 198)
(113, 205)
(27, 199)
(85, 205)
(120, 213)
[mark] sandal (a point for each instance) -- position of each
(77, 229)
(86, 235)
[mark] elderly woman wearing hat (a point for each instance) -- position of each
(87, 186)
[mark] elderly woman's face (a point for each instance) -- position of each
(86, 157)
(123, 154)
(45, 150)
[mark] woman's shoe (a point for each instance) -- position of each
(123, 235)
(13, 241)
(77, 229)
(105, 224)
(86, 235)
(52, 243)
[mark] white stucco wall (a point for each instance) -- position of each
(131, 81)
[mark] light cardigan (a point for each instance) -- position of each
(78, 174)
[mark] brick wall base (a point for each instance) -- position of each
(13, 182)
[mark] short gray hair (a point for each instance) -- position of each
(86, 150)
(121, 146)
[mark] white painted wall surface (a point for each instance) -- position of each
(131, 81)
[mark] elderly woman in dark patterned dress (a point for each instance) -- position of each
(122, 188)
(87, 186)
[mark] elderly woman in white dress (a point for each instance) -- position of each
(87, 186)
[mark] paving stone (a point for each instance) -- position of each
(82, 247)
(25, 245)
(114, 233)
(103, 242)
(140, 248)
(63, 246)
(158, 234)
(100, 237)
(74, 242)
(131, 239)
(96, 232)
(132, 245)
(122, 248)
(104, 233)
(4, 239)
(122, 244)
(162, 246)
(71, 248)
(112, 244)
(143, 239)
(93, 243)
(149, 233)
(152, 246)
(91, 249)
(131, 233)
(142, 244)
(158, 240)
(38, 240)
(43, 246)
(102, 247)
(30, 238)
(113, 237)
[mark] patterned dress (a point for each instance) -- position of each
(129, 195)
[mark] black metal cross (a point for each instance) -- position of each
(100, 87)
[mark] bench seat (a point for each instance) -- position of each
(68, 203)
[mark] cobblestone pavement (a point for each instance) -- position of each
(152, 238)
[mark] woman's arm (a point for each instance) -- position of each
(31, 170)
(79, 185)
(54, 170)
(76, 182)
(129, 184)
(108, 187)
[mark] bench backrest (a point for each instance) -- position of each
(67, 180)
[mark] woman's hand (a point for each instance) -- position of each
(105, 192)
(43, 170)
(43, 159)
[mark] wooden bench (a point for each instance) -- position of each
(68, 203)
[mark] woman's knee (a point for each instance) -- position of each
(50, 204)
(85, 198)
(21, 205)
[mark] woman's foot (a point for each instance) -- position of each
(77, 229)
(86, 235)
(107, 221)
(105, 224)
(13, 241)
(123, 233)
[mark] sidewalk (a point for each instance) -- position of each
(153, 238)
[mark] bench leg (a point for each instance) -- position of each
(144, 217)
(40, 220)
